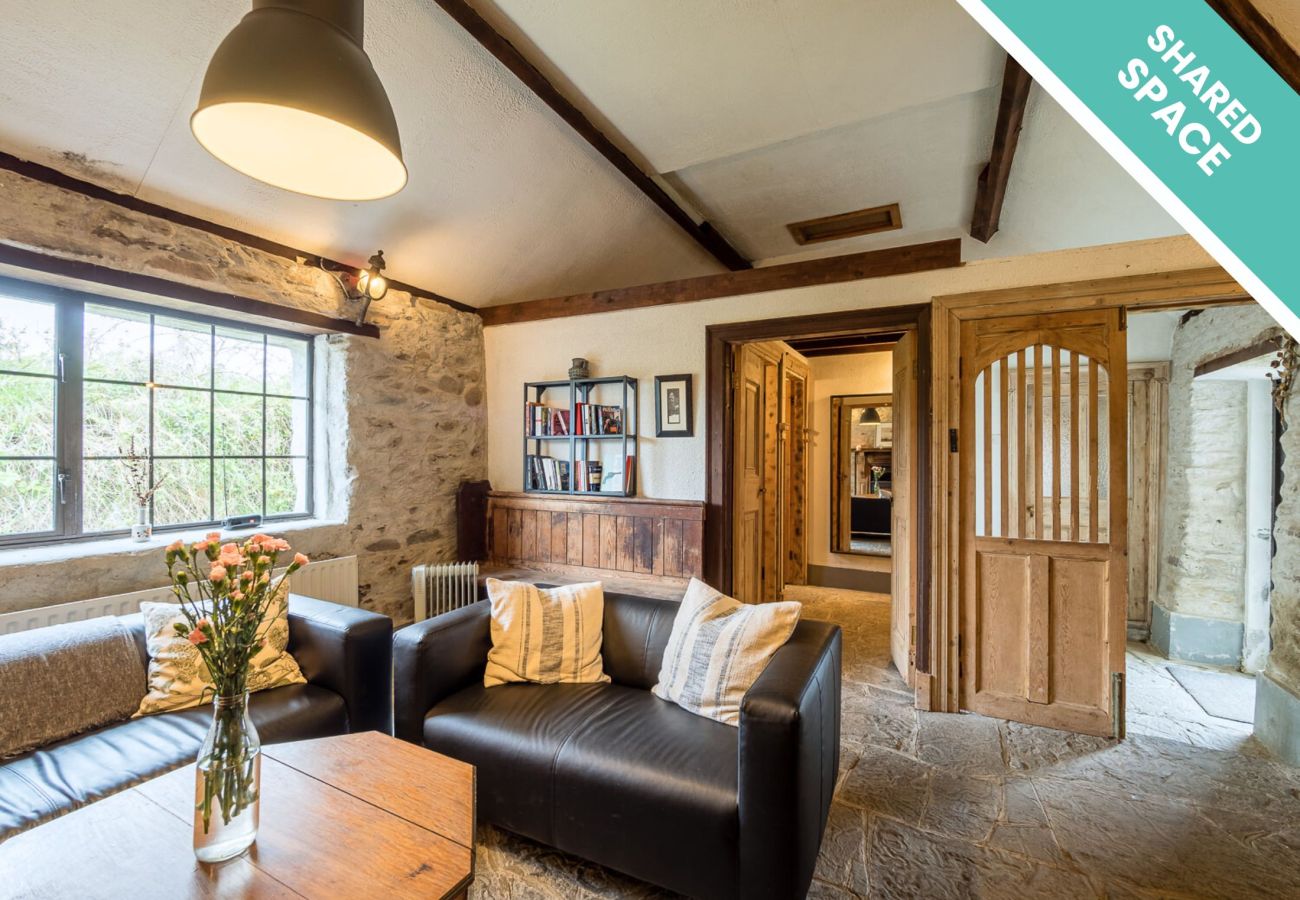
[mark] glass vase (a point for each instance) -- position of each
(227, 782)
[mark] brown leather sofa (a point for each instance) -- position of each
(613, 774)
(344, 653)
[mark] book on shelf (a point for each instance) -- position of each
(541, 420)
(546, 473)
(586, 475)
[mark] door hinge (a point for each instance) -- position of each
(952, 440)
(1117, 701)
(1123, 319)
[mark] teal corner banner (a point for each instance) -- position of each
(1189, 109)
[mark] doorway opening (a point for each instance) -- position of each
(1205, 474)
(823, 477)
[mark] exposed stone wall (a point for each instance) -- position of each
(1203, 531)
(401, 420)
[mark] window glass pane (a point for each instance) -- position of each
(27, 487)
(182, 352)
(238, 419)
(26, 416)
(238, 487)
(181, 422)
(239, 360)
(27, 336)
(107, 502)
(115, 414)
(116, 343)
(286, 427)
(183, 491)
(286, 486)
(286, 366)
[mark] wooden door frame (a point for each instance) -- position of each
(720, 339)
(1181, 289)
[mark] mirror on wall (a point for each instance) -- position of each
(862, 450)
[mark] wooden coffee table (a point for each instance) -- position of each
(360, 815)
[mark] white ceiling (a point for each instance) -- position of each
(757, 112)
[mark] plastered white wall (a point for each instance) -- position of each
(858, 373)
(671, 339)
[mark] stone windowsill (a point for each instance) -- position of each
(62, 551)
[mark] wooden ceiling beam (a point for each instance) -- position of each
(1262, 37)
(828, 270)
(508, 54)
(992, 189)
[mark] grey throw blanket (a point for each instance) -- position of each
(65, 679)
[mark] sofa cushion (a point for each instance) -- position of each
(58, 778)
(637, 775)
(178, 674)
(512, 733)
(718, 648)
(604, 771)
(65, 679)
(545, 635)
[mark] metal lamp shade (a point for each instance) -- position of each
(290, 98)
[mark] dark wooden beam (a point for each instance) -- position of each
(94, 273)
(839, 346)
(509, 56)
(64, 181)
(1245, 354)
(992, 190)
(1262, 37)
(828, 270)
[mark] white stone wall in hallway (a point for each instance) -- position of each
(401, 420)
(1203, 540)
(1284, 658)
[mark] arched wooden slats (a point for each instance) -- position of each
(1041, 444)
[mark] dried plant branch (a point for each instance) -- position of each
(137, 473)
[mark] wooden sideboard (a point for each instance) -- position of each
(601, 536)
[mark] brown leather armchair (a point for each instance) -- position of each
(611, 773)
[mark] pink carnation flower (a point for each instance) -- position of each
(196, 637)
(246, 576)
(214, 536)
(300, 559)
(230, 555)
(175, 545)
(218, 573)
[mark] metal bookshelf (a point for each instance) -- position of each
(580, 446)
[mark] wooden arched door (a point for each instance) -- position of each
(1043, 438)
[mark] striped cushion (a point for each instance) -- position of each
(546, 636)
(718, 648)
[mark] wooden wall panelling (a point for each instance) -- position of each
(606, 536)
(1148, 397)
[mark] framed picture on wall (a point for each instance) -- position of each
(674, 406)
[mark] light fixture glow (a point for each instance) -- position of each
(290, 98)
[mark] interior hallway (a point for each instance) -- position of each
(935, 805)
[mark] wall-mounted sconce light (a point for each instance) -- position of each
(369, 284)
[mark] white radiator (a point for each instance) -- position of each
(334, 580)
(443, 587)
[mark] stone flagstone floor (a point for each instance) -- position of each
(933, 805)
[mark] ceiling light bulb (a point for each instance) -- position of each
(290, 98)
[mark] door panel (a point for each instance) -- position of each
(747, 514)
(903, 510)
(796, 388)
(1043, 438)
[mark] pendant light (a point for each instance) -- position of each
(290, 98)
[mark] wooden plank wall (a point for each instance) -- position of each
(626, 537)
(1148, 399)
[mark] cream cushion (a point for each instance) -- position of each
(717, 649)
(178, 676)
(545, 635)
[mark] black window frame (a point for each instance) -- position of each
(66, 487)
